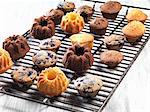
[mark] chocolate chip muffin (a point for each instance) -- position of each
(86, 12)
(114, 42)
(56, 15)
(111, 58)
(51, 44)
(66, 6)
(44, 59)
(24, 77)
(110, 9)
(98, 26)
(88, 86)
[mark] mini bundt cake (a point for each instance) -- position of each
(5, 61)
(17, 46)
(52, 81)
(78, 58)
(72, 23)
(43, 28)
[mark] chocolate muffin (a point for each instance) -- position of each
(56, 15)
(98, 26)
(42, 28)
(114, 42)
(110, 9)
(66, 6)
(111, 58)
(86, 12)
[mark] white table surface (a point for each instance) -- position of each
(132, 95)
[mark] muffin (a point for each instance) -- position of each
(43, 28)
(72, 23)
(86, 12)
(136, 14)
(88, 86)
(66, 6)
(78, 59)
(44, 59)
(5, 61)
(24, 77)
(133, 31)
(52, 81)
(51, 44)
(17, 46)
(110, 9)
(114, 42)
(111, 58)
(56, 15)
(83, 39)
(98, 26)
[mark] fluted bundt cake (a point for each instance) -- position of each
(17, 46)
(5, 61)
(78, 58)
(43, 28)
(52, 81)
(72, 23)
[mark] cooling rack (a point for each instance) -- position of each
(71, 100)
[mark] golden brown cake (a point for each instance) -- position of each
(133, 31)
(5, 61)
(52, 81)
(72, 23)
(136, 14)
(83, 39)
(111, 58)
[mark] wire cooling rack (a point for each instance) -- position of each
(71, 100)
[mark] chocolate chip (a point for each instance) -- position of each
(50, 55)
(47, 58)
(89, 87)
(52, 45)
(38, 62)
(79, 85)
(46, 43)
(81, 80)
(30, 73)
